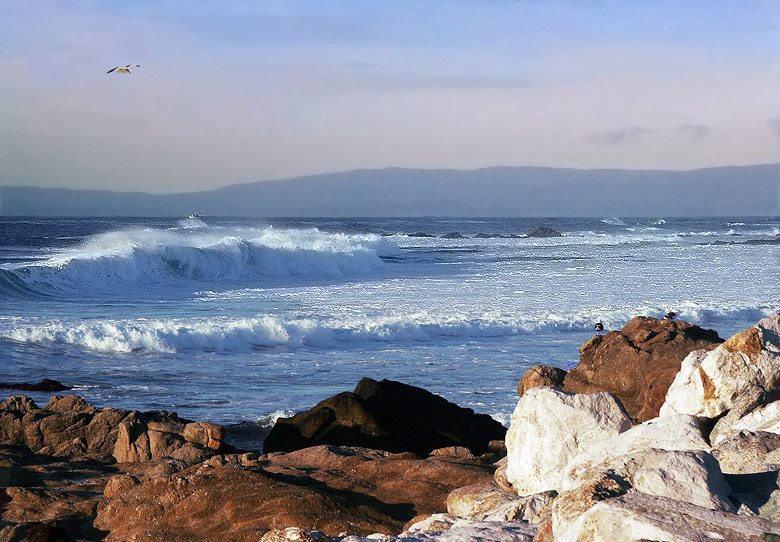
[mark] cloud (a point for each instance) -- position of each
(621, 136)
(774, 126)
(693, 132)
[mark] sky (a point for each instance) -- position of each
(238, 91)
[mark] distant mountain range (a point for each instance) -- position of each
(494, 191)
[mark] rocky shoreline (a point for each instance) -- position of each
(664, 431)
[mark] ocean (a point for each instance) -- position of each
(239, 321)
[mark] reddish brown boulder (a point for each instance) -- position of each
(386, 415)
(638, 363)
(541, 375)
(328, 489)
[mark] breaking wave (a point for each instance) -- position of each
(121, 262)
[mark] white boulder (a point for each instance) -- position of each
(549, 427)
(709, 382)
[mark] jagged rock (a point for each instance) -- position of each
(636, 517)
(70, 426)
(541, 375)
(638, 363)
(710, 383)
(452, 235)
(543, 231)
(386, 415)
(549, 427)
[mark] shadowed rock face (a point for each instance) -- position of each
(386, 415)
(639, 362)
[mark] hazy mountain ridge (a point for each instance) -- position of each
(493, 191)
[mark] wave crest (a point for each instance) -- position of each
(120, 261)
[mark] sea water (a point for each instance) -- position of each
(242, 320)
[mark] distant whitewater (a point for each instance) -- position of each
(235, 320)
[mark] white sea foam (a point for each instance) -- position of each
(613, 221)
(268, 331)
(115, 261)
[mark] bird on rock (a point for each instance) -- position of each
(599, 327)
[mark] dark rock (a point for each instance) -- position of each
(543, 231)
(489, 236)
(44, 385)
(638, 363)
(541, 375)
(386, 415)
(419, 234)
(452, 235)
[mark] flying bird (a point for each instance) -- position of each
(126, 69)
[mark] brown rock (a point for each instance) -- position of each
(70, 426)
(386, 415)
(326, 488)
(638, 363)
(541, 375)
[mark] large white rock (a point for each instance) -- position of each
(680, 432)
(635, 517)
(692, 476)
(709, 382)
(549, 427)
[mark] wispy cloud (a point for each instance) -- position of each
(693, 132)
(620, 136)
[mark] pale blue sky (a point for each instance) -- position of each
(237, 91)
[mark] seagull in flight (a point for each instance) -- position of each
(126, 69)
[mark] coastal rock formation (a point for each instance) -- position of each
(710, 383)
(541, 375)
(543, 231)
(70, 426)
(638, 363)
(386, 415)
(329, 488)
(549, 427)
